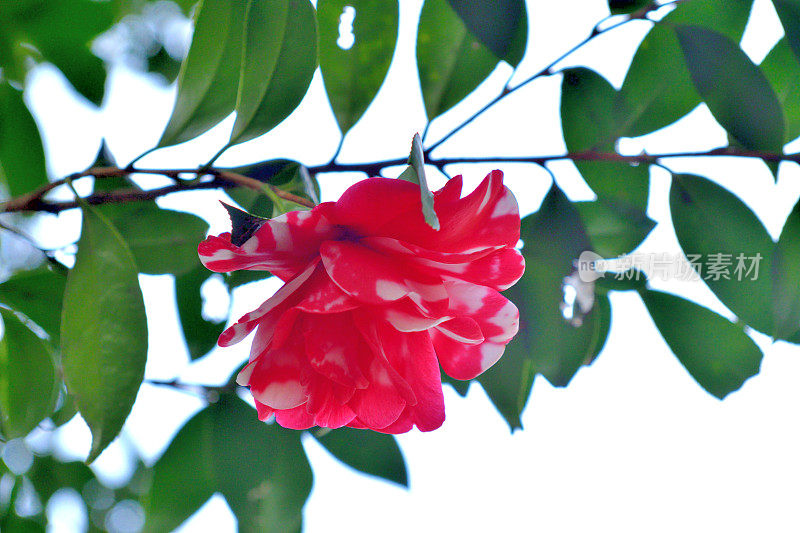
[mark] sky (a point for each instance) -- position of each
(633, 444)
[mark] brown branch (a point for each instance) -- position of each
(33, 201)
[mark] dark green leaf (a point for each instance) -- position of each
(103, 330)
(786, 278)
(162, 241)
(261, 469)
(657, 89)
(28, 384)
(201, 334)
(783, 74)
(613, 230)
(209, 77)
(287, 175)
(501, 26)
(279, 59)
(37, 294)
(354, 74)
(450, 60)
(602, 326)
(243, 224)
(22, 166)
(723, 239)
(367, 451)
(589, 122)
(735, 90)
(789, 13)
(622, 7)
(237, 278)
(547, 343)
(64, 39)
(460, 386)
(48, 474)
(415, 173)
(718, 354)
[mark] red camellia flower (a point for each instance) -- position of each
(374, 301)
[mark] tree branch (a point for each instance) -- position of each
(224, 179)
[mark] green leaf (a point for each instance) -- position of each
(162, 241)
(789, 13)
(783, 74)
(735, 90)
(200, 334)
(103, 330)
(546, 343)
(37, 294)
(261, 469)
(64, 38)
(602, 326)
(209, 77)
(22, 163)
(613, 230)
(657, 89)
(501, 26)
(450, 60)
(786, 278)
(460, 386)
(717, 354)
(367, 451)
(589, 122)
(415, 173)
(279, 59)
(623, 7)
(285, 174)
(723, 238)
(48, 475)
(28, 383)
(353, 75)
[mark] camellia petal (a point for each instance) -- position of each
(374, 301)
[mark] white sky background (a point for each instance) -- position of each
(633, 444)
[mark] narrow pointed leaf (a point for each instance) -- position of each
(28, 382)
(735, 90)
(782, 71)
(103, 330)
(415, 173)
(209, 76)
(786, 278)
(717, 353)
(507, 33)
(451, 61)
(728, 246)
(22, 163)
(369, 452)
(353, 75)
(789, 13)
(278, 62)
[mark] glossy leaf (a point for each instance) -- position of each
(200, 334)
(786, 278)
(22, 163)
(613, 230)
(657, 89)
(451, 61)
(103, 330)
(621, 7)
(209, 76)
(589, 122)
(37, 294)
(367, 451)
(735, 90)
(723, 239)
(546, 343)
(783, 74)
(162, 241)
(278, 62)
(261, 470)
(789, 13)
(415, 173)
(507, 34)
(717, 353)
(28, 382)
(64, 39)
(353, 75)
